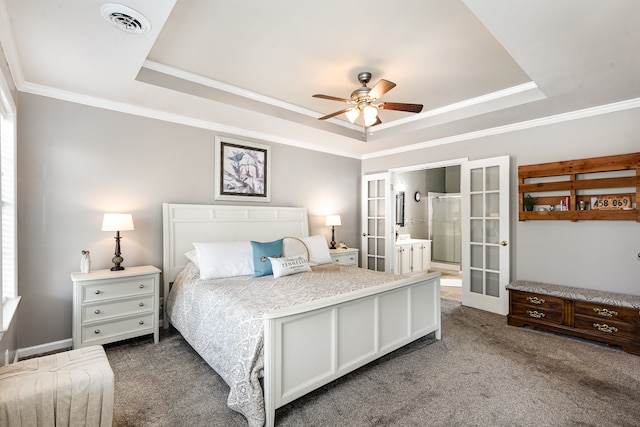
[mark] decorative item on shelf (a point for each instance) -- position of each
(529, 202)
(582, 205)
(117, 223)
(611, 202)
(85, 262)
(333, 220)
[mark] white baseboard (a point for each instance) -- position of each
(44, 348)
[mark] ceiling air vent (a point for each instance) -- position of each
(125, 18)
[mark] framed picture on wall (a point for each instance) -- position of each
(242, 171)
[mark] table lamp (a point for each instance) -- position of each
(117, 223)
(333, 220)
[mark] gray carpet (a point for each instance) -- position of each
(482, 373)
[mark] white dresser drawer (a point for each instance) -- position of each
(344, 256)
(108, 310)
(111, 306)
(125, 287)
(345, 259)
(106, 332)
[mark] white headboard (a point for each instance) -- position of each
(184, 224)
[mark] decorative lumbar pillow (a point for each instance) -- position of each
(262, 251)
(291, 265)
(224, 259)
(318, 250)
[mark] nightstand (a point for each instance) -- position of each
(111, 306)
(344, 256)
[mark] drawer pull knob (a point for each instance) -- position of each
(605, 313)
(97, 331)
(141, 286)
(97, 312)
(141, 304)
(535, 300)
(605, 328)
(98, 292)
(535, 314)
(141, 322)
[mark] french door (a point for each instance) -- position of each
(377, 222)
(485, 234)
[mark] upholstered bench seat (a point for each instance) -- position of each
(72, 388)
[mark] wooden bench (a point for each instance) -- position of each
(72, 388)
(607, 317)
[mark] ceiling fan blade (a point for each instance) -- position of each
(377, 122)
(382, 87)
(328, 116)
(331, 98)
(399, 106)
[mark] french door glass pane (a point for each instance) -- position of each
(493, 178)
(493, 258)
(476, 231)
(476, 180)
(476, 282)
(493, 284)
(476, 256)
(493, 204)
(492, 227)
(380, 251)
(476, 205)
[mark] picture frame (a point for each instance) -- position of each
(242, 171)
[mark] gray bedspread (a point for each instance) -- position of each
(222, 320)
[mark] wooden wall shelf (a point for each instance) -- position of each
(580, 180)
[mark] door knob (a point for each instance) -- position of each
(503, 243)
(365, 235)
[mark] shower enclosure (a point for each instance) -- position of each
(444, 228)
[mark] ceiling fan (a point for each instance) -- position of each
(364, 103)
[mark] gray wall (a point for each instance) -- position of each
(589, 254)
(77, 162)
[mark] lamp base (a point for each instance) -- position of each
(117, 260)
(333, 238)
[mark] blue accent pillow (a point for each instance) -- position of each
(261, 253)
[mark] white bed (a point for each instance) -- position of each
(396, 312)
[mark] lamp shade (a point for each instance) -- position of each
(370, 115)
(117, 222)
(352, 114)
(333, 220)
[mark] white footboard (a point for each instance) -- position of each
(309, 346)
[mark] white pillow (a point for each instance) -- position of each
(287, 266)
(318, 250)
(224, 259)
(192, 256)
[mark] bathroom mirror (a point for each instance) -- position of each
(400, 208)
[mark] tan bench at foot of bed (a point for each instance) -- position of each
(72, 388)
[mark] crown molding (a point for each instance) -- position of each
(527, 124)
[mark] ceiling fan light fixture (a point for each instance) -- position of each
(370, 114)
(352, 114)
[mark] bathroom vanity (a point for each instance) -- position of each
(412, 255)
